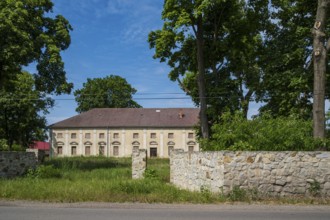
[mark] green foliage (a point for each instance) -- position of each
(3, 145)
(234, 132)
(20, 122)
(314, 188)
(232, 42)
(89, 163)
(29, 34)
(109, 92)
(150, 174)
(287, 81)
(97, 179)
(44, 171)
(238, 194)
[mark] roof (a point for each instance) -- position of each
(40, 145)
(133, 117)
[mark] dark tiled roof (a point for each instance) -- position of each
(133, 117)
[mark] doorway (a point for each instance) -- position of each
(153, 152)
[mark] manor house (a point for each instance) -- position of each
(116, 132)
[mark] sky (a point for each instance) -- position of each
(109, 37)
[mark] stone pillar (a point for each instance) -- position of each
(39, 155)
(139, 163)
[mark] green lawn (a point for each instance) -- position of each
(97, 179)
(102, 179)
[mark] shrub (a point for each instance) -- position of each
(238, 194)
(234, 132)
(150, 174)
(44, 172)
(3, 145)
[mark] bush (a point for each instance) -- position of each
(234, 132)
(3, 145)
(150, 174)
(44, 172)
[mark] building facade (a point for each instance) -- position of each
(115, 132)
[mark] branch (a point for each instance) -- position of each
(317, 33)
(192, 25)
(220, 66)
(185, 89)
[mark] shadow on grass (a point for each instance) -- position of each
(88, 163)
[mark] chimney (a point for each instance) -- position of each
(181, 115)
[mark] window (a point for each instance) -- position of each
(87, 150)
(136, 135)
(153, 152)
(135, 148)
(170, 148)
(73, 150)
(190, 135)
(88, 135)
(191, 149)
(115, 135)
(153, 135)
(60, 150)
(101, 150)
(59, 135)
(73, 135)
(115, 150)
(101, 135)
(170, 136)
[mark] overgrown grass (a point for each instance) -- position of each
(109, 180)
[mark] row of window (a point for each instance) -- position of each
(116, 135)
(153, 150)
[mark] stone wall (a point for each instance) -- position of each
(40, 154)
(14, 164)
(139, 163)
(275, 173)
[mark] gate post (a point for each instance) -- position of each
(139, 163)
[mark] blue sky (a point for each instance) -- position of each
(110, 37)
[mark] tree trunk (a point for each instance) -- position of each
(319, 62)
(201, 79)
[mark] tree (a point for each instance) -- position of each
(188, 17)
(29, 35)
(109, 92)
(189, 42)
(20, 120)
(286, 74)
(227, 34)
(321, 47)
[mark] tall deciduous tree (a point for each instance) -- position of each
(109, 92)
(321, 46)
(287, 78)
(181, 43)
(188, 42)
(213, 43)
(20, 120)
(29, 34)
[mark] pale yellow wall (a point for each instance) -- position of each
(124, 141)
